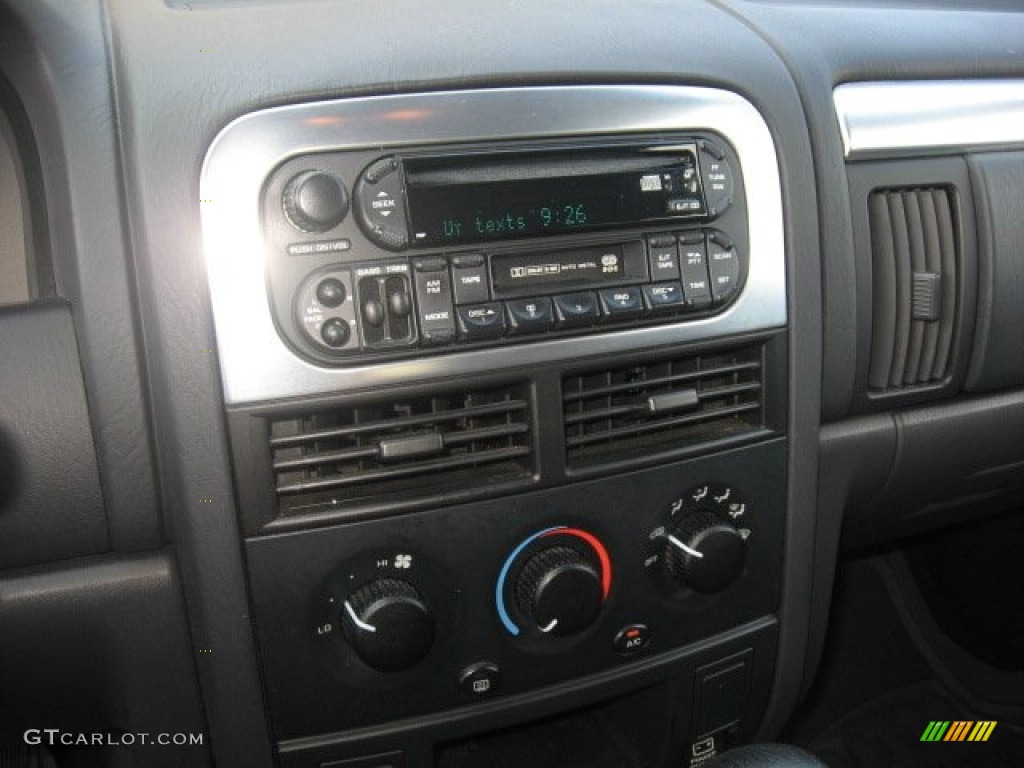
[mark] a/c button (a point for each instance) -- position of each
(632, 638)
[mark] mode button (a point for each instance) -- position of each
(434, 305)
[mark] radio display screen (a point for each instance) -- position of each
(477, 199)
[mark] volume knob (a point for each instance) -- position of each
(705, 552)
(388, 624)
(315, 201)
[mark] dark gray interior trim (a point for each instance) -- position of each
(856, 457)
(101, 644)
(998, 179)
(51, 506)
(54, 54)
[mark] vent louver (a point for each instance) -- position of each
(914, 286)
(419, 448)
(641, 410)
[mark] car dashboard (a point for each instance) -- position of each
(400, 384)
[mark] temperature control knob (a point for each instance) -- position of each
(559, 590)
(388, 624)
(315, 201)
(704, 551)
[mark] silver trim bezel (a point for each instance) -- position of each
(257, 365)
(922, 117)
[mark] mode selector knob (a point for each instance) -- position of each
(315, 201)
(560, 590)
(705, 552)
(388, 624)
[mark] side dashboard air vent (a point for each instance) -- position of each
(391, 450)
(638, 410)
(915, 275)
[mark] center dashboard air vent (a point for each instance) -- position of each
(652, 408)
(386, 451)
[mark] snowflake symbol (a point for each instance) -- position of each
(403, 561)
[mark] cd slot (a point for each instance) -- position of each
(456, 201)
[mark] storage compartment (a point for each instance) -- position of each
(678, 710)
(932, 467)
(641, 730)
(998, 180)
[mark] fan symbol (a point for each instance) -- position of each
(403, 561)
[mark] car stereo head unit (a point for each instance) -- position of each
(389, 253)
(369, 241)
(466, 199)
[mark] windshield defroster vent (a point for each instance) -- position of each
(405, 449)
(636, 411)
